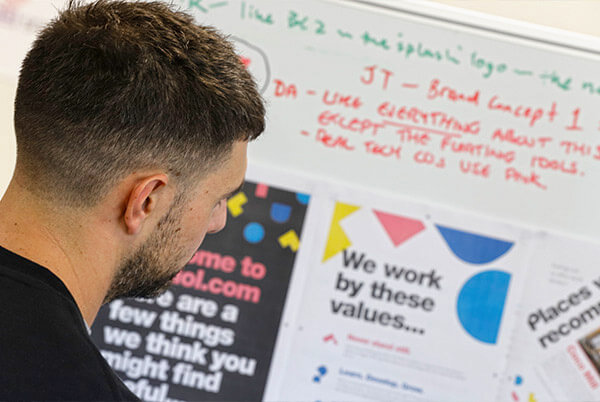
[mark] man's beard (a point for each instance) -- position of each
(149, 271)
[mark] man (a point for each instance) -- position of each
(132, 125)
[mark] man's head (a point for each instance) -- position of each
(148, 270)
(131, 106)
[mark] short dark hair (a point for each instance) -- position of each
(115, 86)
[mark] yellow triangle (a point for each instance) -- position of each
(337, 240)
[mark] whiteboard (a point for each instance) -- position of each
(531, 158)
(412, 103)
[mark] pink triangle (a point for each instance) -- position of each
(399, 228)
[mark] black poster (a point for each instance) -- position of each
(211, 335)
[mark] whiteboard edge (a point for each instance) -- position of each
(485, 22)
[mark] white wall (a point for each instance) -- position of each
(8, 146)
(572, 15)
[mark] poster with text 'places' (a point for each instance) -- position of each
(555, 352)
(211, 335)
(406, 302)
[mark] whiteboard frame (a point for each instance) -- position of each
(482, 22)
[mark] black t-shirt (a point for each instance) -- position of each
(46, 352)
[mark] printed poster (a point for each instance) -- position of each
(555, 348)
(405, 302)
(211, 335)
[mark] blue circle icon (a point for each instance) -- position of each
(254, 232)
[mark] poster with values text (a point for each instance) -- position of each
(406, 302)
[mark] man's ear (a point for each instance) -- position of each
(143, 199)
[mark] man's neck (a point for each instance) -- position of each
(64, 247)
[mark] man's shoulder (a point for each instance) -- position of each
(45, 351)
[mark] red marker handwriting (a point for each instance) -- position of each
(434, 119)
(331, 141)
(372, 72)
(336, 98)
(349, 123)
(512, 174)
(553, 164)
(384, 150)
(427, 158)
(510, 136)
(574, 126)
(284, 90)
(572, 147)
(531, 114)
(475, 168)
(437, 90)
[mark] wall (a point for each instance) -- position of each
(8, 146)
(576, 16)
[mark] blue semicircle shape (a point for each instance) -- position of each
(474, 248)
(480, 304)
(280, 213)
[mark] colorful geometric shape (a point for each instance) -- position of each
(481, 302)
(280, 213)
(303, 198)
(262, 190)
(235, 203)
(399, 228)
(474, 248)
(518, 380)
(254, 232)
(290, 239)
(337, 241)
(322, 370)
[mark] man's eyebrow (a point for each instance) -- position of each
(234, 192)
